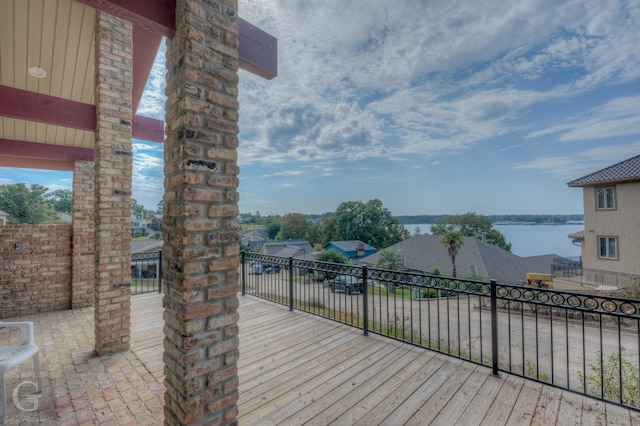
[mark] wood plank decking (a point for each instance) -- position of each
(298, 369)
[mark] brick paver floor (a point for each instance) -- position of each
(80, 388)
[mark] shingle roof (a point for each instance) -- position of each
(350, 245)
(145, 246)
(624, 171)
(425, 252)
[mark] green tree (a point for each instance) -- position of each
(293, 226)
(26, 205)
(391, 260)
(272, 227)
(472, 225)
(369, 222)
(138, 208)
(452, 241)
(60, 200)
(156, 224)
(331, 256)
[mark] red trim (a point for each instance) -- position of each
(32, 106)
(156, 16)
(35, 163)
(13, 148)
(147, 129)
(145, 49)
(257, 50)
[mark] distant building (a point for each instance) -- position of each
(353, 249)
(611, 238)
(143, 266)
(254, 239)
(423, 253)
(138, 224)
(4, 217)
(299, 249)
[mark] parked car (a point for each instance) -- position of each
(271, 269)
(347, 283)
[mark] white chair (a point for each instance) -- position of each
(10, 356)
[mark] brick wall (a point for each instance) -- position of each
(83, 235)
(36, 278)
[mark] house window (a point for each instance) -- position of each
(606, 198)
(608, 247)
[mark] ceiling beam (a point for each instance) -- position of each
(43, 151)
(35, 163)
(258, 50)
(31, 106)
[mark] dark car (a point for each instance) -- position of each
(347, 283)
(271, 269)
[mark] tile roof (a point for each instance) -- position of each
(624, 171)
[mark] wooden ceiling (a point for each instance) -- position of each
(49, 122)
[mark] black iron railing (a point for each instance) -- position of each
(580, 342)
(146, 272)
(571, 270)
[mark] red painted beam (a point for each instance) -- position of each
(148, 129)
(31, 106)
(257, 50)
(156, 16)
(46, 109)
(35, 163)
(13, 148)
(145, 49)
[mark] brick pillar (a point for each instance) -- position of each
(113, 168)
(83, 219)
(200, 216)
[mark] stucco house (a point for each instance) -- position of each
(611, 238)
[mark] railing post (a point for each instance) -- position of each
(160, 271)
(243, 273)
(494, 328)
(365, 302)
(291, 284)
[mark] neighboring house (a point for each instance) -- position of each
(65, 216)
(4, 218)
(611, 238)
(299, 249)
(354, 249)
(254, 239)
(423, 253)
(138, 224)
(145, 266)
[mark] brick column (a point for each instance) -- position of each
(113, 168)
(200, 216)
(83, 219)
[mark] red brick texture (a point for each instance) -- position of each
(113, 170)
(34, 276)
(83, 259)
(200, 216)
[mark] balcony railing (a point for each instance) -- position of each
(576, 341)
(570, 270)
(146, 272)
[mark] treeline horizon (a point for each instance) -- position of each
(433, 219)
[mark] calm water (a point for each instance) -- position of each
(531, 240)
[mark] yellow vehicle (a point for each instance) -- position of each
(540, 280)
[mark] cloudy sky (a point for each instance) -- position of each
(433, 107)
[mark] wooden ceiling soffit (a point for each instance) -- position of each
(31, 106)
(257, 50)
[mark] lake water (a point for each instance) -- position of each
(531, 240)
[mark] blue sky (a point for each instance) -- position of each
(434, 107)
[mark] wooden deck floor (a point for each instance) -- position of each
(299, 369)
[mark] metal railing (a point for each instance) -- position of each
(576, 341)
(573, 271)
(146, 272)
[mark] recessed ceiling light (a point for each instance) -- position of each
(37, 72)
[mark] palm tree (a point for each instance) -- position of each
(392, 260)
(452, 241)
